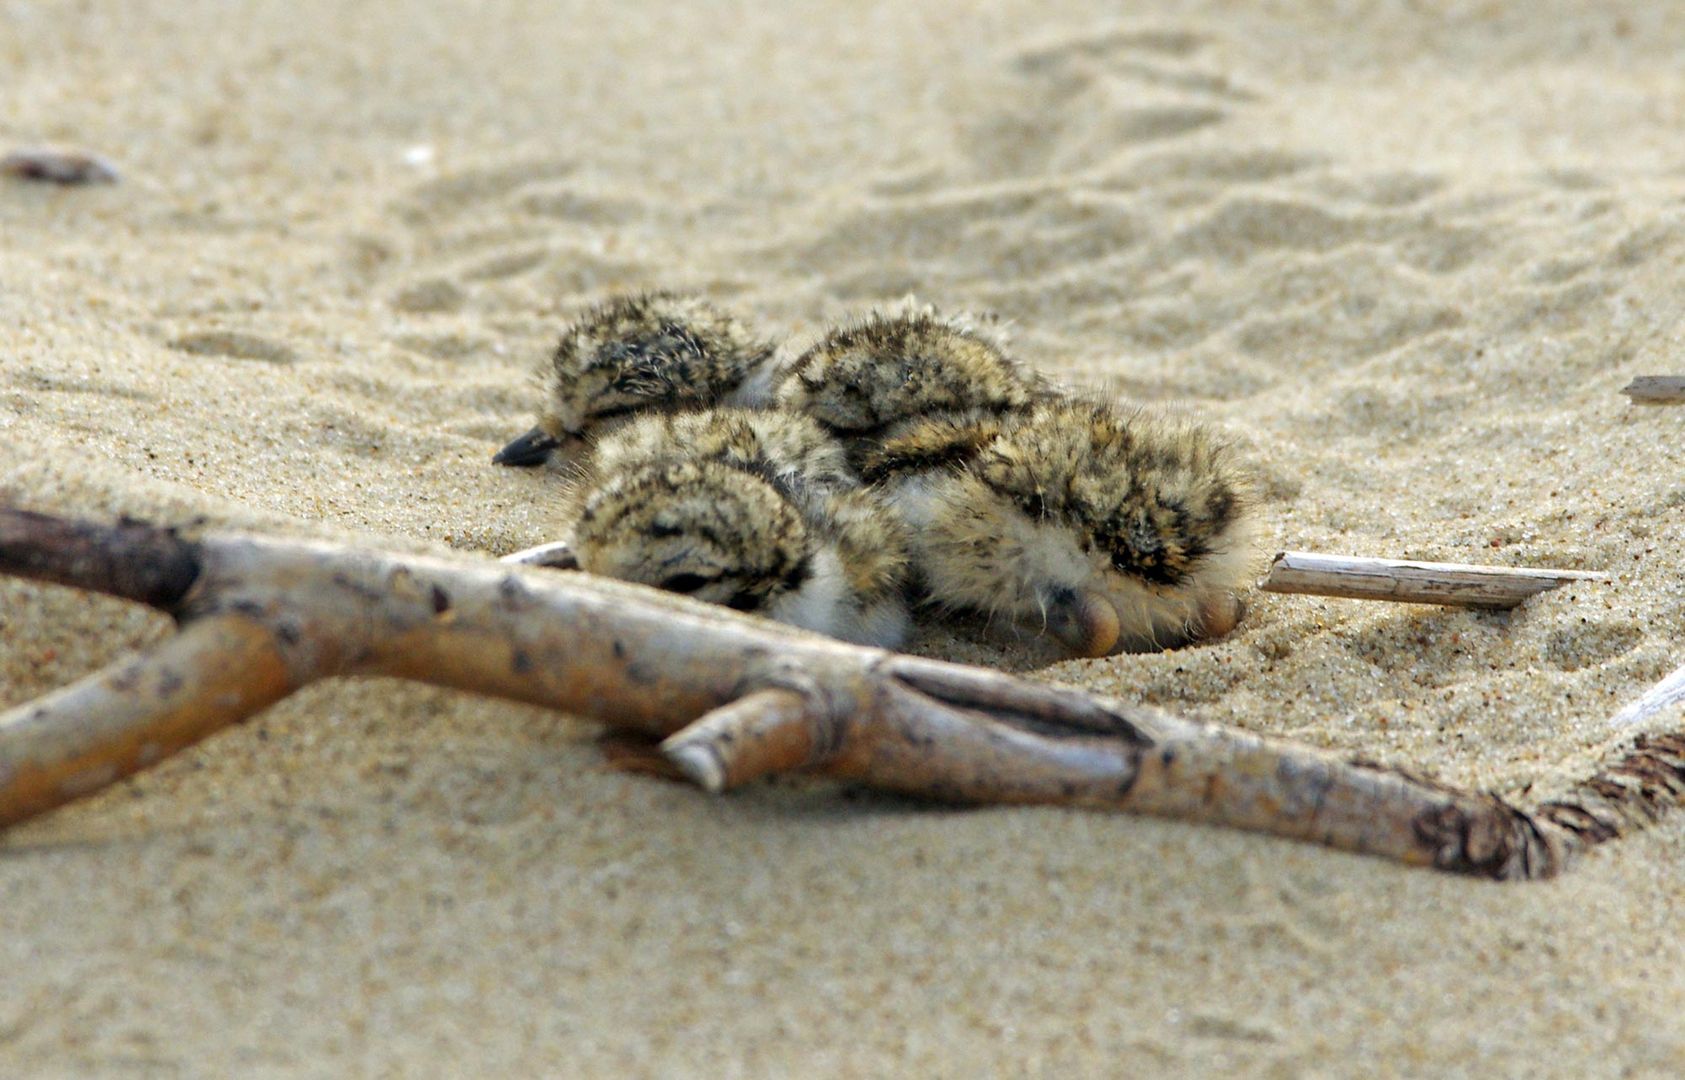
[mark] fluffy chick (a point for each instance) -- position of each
(657, 351)
(1112, 529)
(790, 451)
(753, 510)
(863, 381)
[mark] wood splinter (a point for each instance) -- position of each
(1408, 582)
(734, 698)
(1656, 390)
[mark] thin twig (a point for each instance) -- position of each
(734, 697)
(57, 165)
(557, 554)
(1656, 390)
(1406, 582)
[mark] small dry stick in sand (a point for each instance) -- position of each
(1453, 584)
(1656, 700)
(58, 166)
(1656, 390)
(733, 698)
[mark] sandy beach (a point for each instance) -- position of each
(1406, 255)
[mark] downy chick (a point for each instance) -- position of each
(1112, 529)
(863, 381)
(753, 510)
(649, 352)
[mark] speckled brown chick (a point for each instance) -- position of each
(754, 510)
(648, 352)
(864, 380)
(1112, 529)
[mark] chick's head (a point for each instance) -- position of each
(861, 378)
(648, 352)
(702, 528)
(1117, 529)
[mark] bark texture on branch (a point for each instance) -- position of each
(734, 697)
(129, 560)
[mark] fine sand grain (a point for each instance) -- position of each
(1406, 254)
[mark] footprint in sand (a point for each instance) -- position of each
(1086, 101)
(461, 190)
(234, 345)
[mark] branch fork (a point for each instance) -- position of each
(730, 697)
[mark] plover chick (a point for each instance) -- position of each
(862, 381)
(657, 351)
(1111, 529)
(753, 510)
(790, 451)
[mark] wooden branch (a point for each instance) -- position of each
(735, 698)
(128, 560)
(137, 712)
(1656, 389)
(1453, 584)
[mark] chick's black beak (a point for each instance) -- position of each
(530, 449)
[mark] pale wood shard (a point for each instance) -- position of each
(1656, 390)
(1408, 582)
(733, 696)
(1657, 700)
(56, 165)
(557, 554)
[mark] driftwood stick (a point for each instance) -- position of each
(136, 712)
(1656, 390)
(262, 617)
(128, 560)
(1452, 584)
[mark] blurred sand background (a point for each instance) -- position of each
(1408, 253)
